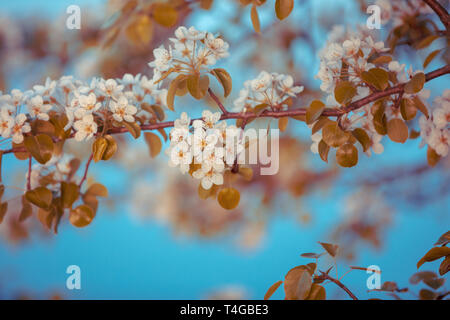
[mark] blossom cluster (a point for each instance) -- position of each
(192, 52)
(271, 89)
(212, 145)
(39, 172)
(84, 104)
(435, 131)
(349, 49)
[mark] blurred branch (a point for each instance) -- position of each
(441, 12)
(340, 284)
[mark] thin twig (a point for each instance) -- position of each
(86, 170)
(217, 101)
(29, 174)
(340, 284)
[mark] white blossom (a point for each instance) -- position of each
(85, 127)
(122, 110)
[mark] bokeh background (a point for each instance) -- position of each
(141, 246)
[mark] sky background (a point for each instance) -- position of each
(122, 257)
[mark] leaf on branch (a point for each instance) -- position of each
(431, 57)
(407, 109)
(133, 128)
(317, 292)
(363, 138)
(434, 254)
(397, 130)
(344, 92)
(26, 211)
(197, 85)
(333, 135)
(228, 198)
(154, 143)
(376, 77)
(173, 87)
(225, 80)
(415, 84)
(40, 147)
(443, 240)
(165, 14)
(3, 209)
(314, 111)
(330, 248)
(69, 194)
(421, 106)
(272, 289)
(81, 216)
(282, 123)
(283, 8)
(40, 197)
(140, 30)
(97, 190)
(445, 266)
(297, 283)
(432, 157)
(98, 148)
(323, 150)
(255, 19)
(111, 147)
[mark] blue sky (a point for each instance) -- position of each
(122, 258)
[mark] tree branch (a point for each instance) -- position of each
(328, 112)
(340, 284)
(440, 11)
(86, 169)
(217, 101)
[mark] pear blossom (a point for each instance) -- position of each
(38, 109)
(272, 89)
(208, 177)
(19, 128)
(6, 123)
(191, 51)
(122, 110)
(85, 128)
